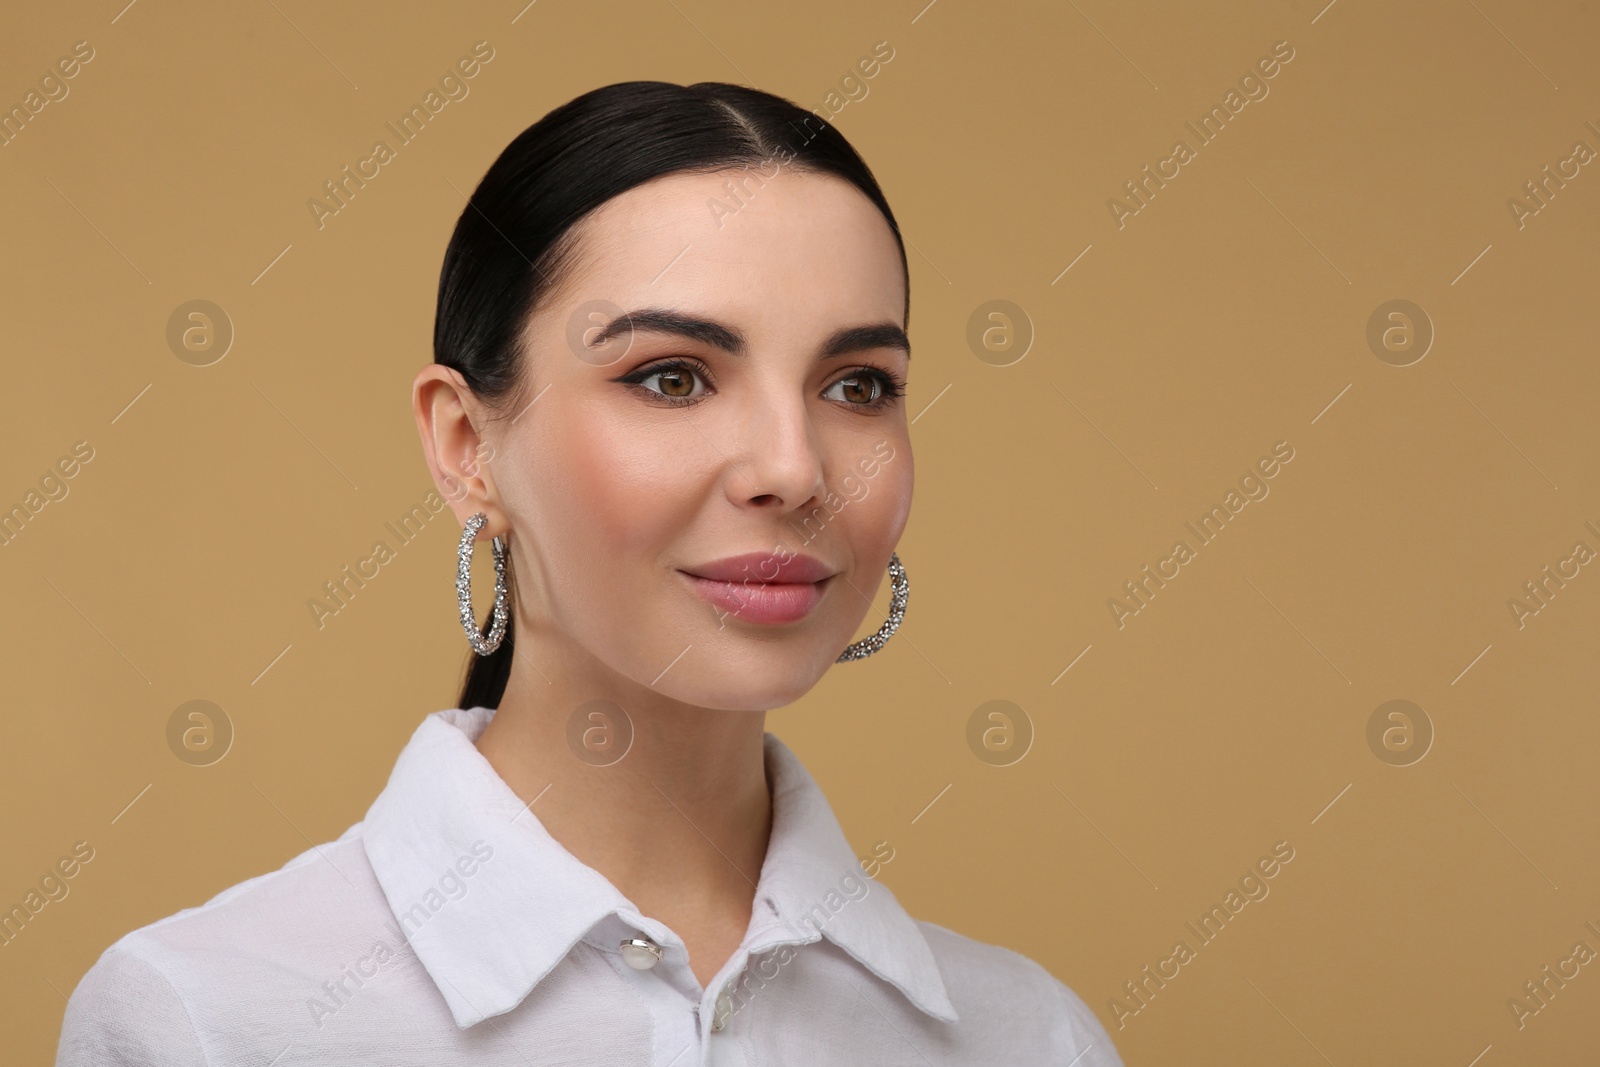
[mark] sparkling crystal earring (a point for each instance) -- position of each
(898, 589)
(469, 622)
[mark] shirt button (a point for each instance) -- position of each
(641, 953)
(719, 1017)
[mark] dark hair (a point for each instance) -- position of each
(516, 237)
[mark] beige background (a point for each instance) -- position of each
(1228, 315)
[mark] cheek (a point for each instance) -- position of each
(622, 492)
(868, 520)
(887, 503)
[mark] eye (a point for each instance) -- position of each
(868, 387)
(673, 382)
(677, 380)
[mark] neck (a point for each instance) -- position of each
(679, 823)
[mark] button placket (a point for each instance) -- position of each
(719, 1015)
(676, 1034)
(642, 944)
(774, 936)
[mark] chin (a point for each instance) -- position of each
(754, 681)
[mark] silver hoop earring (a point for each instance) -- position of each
(898, 590)
(469, 622)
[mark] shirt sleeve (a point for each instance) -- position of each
(1090, 1043)
(125, 1013)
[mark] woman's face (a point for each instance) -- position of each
(715, 379)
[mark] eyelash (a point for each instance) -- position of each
(891, 386)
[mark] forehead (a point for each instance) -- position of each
(789, 254)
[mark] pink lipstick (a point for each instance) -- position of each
(761, 587)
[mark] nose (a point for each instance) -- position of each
(779, 461)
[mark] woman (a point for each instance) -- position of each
(670, 362)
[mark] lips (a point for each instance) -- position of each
(753, 567)
(760, 587)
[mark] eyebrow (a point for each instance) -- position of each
(731, 340)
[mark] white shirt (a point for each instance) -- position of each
(449, 927)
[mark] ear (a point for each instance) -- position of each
(448, 415)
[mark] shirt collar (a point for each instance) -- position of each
(487, 941)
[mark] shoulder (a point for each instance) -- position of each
(126, 1012)
(992, 981)
(317, 893)
(152, 995)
